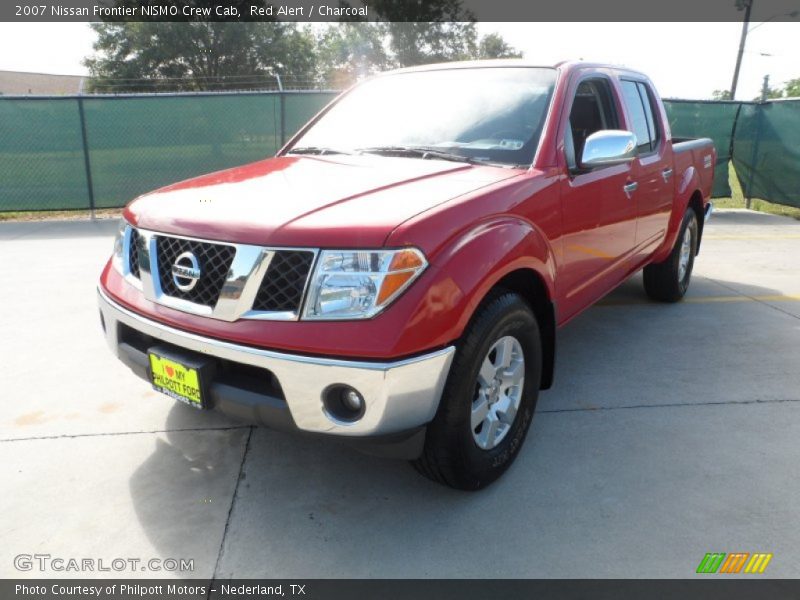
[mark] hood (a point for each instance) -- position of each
(319, 201)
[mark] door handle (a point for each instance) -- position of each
(629, 188)
(666, 174)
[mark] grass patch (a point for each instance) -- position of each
(737, 200)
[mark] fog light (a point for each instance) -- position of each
(353, 400)
(343, 403)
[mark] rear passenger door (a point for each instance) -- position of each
(652, 169)
(599, 219)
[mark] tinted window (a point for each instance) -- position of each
(592, 110)
(647, 101)
(636, 112)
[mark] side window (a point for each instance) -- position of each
(633, 102)
(649, 109)
(639, 102)
(592, 110)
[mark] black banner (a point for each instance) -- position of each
(710, 588)
(397, 10)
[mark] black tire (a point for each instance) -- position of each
(663, 281)
(451, 455)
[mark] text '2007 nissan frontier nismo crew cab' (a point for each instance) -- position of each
(396, 275)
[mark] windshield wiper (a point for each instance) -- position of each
(417, 152)
(321, 150)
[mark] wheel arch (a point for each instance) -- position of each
(696, 204)
(531, 286)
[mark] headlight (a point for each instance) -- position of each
(359, 284)
(119, 246)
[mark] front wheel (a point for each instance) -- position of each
(668, 281)
(489, 399)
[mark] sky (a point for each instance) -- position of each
(684, 60)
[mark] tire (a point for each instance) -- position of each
(668, 281)
(503, 330)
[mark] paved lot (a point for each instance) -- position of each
(672, 431)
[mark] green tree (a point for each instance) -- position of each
(493, 45)
(153, 56)
(347, 52)
(772, 94)
(792, 88)
(427, 32)
(433, 31)
(721, 95)
(421, 43)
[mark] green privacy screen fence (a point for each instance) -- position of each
(70, 152)
(77, 152)
(762, 139)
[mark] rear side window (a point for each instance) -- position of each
(639, 104)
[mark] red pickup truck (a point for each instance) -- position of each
(395, 276)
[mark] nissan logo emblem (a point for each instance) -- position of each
(186, 272)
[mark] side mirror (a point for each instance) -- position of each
(608, 147)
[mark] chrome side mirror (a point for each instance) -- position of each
(608, 147)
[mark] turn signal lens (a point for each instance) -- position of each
(392, 284)
(406, 259)
(402, 269)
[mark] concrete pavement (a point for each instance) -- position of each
(671, 432)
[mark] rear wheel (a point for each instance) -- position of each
(668, 281)
(489, 399)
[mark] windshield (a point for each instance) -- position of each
(492, 115)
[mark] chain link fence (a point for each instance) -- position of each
(96, 151)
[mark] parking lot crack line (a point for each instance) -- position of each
(234, 497)
(117, 433)
(670, 405)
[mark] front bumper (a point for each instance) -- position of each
(399, 396)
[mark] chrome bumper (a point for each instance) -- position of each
(399, 395)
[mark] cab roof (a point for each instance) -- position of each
(564, 66)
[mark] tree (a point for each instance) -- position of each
(347, 52)
(427, 32)
(772, 94)
(153, 56)
(721, 95)
(493, 45)
(792, 88)
(350, 51)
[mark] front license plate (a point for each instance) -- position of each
(176, 380)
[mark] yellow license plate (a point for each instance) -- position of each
(176, 380)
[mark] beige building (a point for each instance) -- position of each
(17, 82)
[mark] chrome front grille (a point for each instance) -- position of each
(233, 281)
(214, 259)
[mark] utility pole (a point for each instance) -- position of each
(747, 5)
(765, 89)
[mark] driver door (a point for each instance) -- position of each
(599, 217)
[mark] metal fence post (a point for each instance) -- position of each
(282, 100)
(87, 165)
